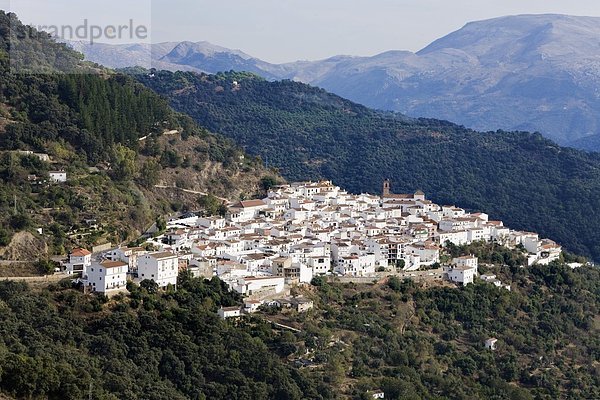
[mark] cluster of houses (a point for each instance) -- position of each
(109, 274)
(297, 303)
(304, 229)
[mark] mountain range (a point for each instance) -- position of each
(527, 72)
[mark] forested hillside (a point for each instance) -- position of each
(529, 182)
(62, 344)
(410, 341)
(420, 344)
(115, 139)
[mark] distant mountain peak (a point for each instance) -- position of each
(186, 48)
(481, 37)
(538, 72)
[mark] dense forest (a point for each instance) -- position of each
(91, 122)
(527, 181)
(61, 344)
(416, 343)
(410, 341)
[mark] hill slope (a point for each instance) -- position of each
(409, 341)
(416, 343)
(63, 344)
(115, 139)
(522, 178)
(526, 72)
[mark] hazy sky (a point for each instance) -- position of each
(287, 30)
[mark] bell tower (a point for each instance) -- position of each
(386, 188)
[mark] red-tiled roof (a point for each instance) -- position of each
(164, 254)
(113, 264)
(249, 203)
(80, 252)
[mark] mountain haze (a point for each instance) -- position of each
(527, 72)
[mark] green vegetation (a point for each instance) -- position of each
(98, 118)
(489, 253)
(411, 342)
(212, 205)
(61, 344)
(417, 343)
(525, 180)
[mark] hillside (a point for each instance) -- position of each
(115, 139)
(62, 344)
(410, 341)
(525, 72)
(420, 343)
(522, 178)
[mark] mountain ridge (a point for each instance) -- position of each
(522, 178)
(536, 72)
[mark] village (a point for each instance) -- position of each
(263, 248)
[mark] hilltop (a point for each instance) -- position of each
(308, 133)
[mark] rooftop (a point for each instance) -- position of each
(113, 264)
(162, 255)
(79, 252)
(249, 203)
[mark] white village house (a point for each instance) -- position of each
(58, 176)
(161, 267)
(79, 259)
(463, 275)
(106, 277)
(230, 312)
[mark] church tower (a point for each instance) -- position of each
(386, 188)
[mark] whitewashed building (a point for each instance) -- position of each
(466, 261)
(58, 176)
(462, 275)
(106, 277)
(490, 343)
(356, 265)
(246, 210)
(128, 255)
(79, 259)
(162, 268)
(230, 312)
(259, 285)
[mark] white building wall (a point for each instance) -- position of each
(163, 271)
(106, 280)
(461, 275)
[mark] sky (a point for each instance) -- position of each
(288, 30)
